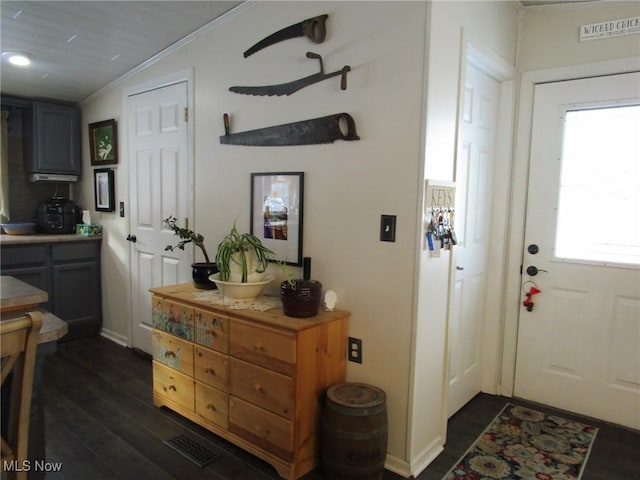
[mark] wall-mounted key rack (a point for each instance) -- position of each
(439, 216)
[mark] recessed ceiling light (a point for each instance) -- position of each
(19, 59)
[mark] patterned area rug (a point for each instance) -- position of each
(525, 443)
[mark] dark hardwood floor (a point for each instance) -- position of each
(101, 424)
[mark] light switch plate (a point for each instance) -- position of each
(387, 228)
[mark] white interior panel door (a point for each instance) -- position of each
(474, 175)
(159, 176)
(579, 346)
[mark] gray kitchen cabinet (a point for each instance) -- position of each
(70, 274)
(75, 281)
(52, 139)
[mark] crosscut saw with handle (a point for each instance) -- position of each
(339, 126)
(292, 87)
(312, 28)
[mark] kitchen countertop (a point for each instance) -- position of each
(46, 238)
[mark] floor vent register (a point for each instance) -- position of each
(193, 450)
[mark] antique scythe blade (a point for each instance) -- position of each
(312, 28)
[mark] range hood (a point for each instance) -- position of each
(51, 177)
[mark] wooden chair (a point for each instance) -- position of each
(18, 344)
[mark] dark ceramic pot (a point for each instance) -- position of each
(200, 274)
(300, 298)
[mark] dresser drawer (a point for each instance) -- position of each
(211, 330)
(260, 386)
(173, 317)
(212, 404)
(211, 367)
(263, 346)
(173, 386)
(172, 351)
(262, 428)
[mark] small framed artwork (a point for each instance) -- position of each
(277, 201)
(103, 141)
(105, 190)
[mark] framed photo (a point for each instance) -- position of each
(105, 190)
(103, 141)
(276, 213)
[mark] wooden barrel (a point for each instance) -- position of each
(354, 433)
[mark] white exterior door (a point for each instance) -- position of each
(159, 179)
(579, 347)
(474, 194)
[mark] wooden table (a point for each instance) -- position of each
(16, 298)
(15, 295)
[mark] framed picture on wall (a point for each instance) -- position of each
(103, 141)
(105, 190)
(277, 213)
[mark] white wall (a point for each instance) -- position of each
(491, 27)
(550, 35)
(348, 184)
(396, 293)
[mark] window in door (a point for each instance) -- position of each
(599, 201)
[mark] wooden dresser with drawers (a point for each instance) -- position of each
(254, 378)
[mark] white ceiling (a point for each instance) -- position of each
(80, 46)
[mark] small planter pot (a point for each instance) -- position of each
(300, 298)
(200, 274)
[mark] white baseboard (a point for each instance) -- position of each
(425, 458)
(417, 464)
(115, 337)
(397, 465)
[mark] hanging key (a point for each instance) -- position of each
(430, 240)
(452, 236)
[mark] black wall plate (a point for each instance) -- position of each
(387, 228)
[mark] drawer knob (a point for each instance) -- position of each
(258, 388)
(170, 353)
(170, 387)
(210, 371)
(211, 407)
(259, 348)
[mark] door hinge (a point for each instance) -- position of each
(186, 114)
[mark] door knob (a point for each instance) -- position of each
(532, 270)
(131, 238)
(459, 268)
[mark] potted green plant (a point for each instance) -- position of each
(200, 270)
(242, 261)
(243, 253)
(301, 296)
